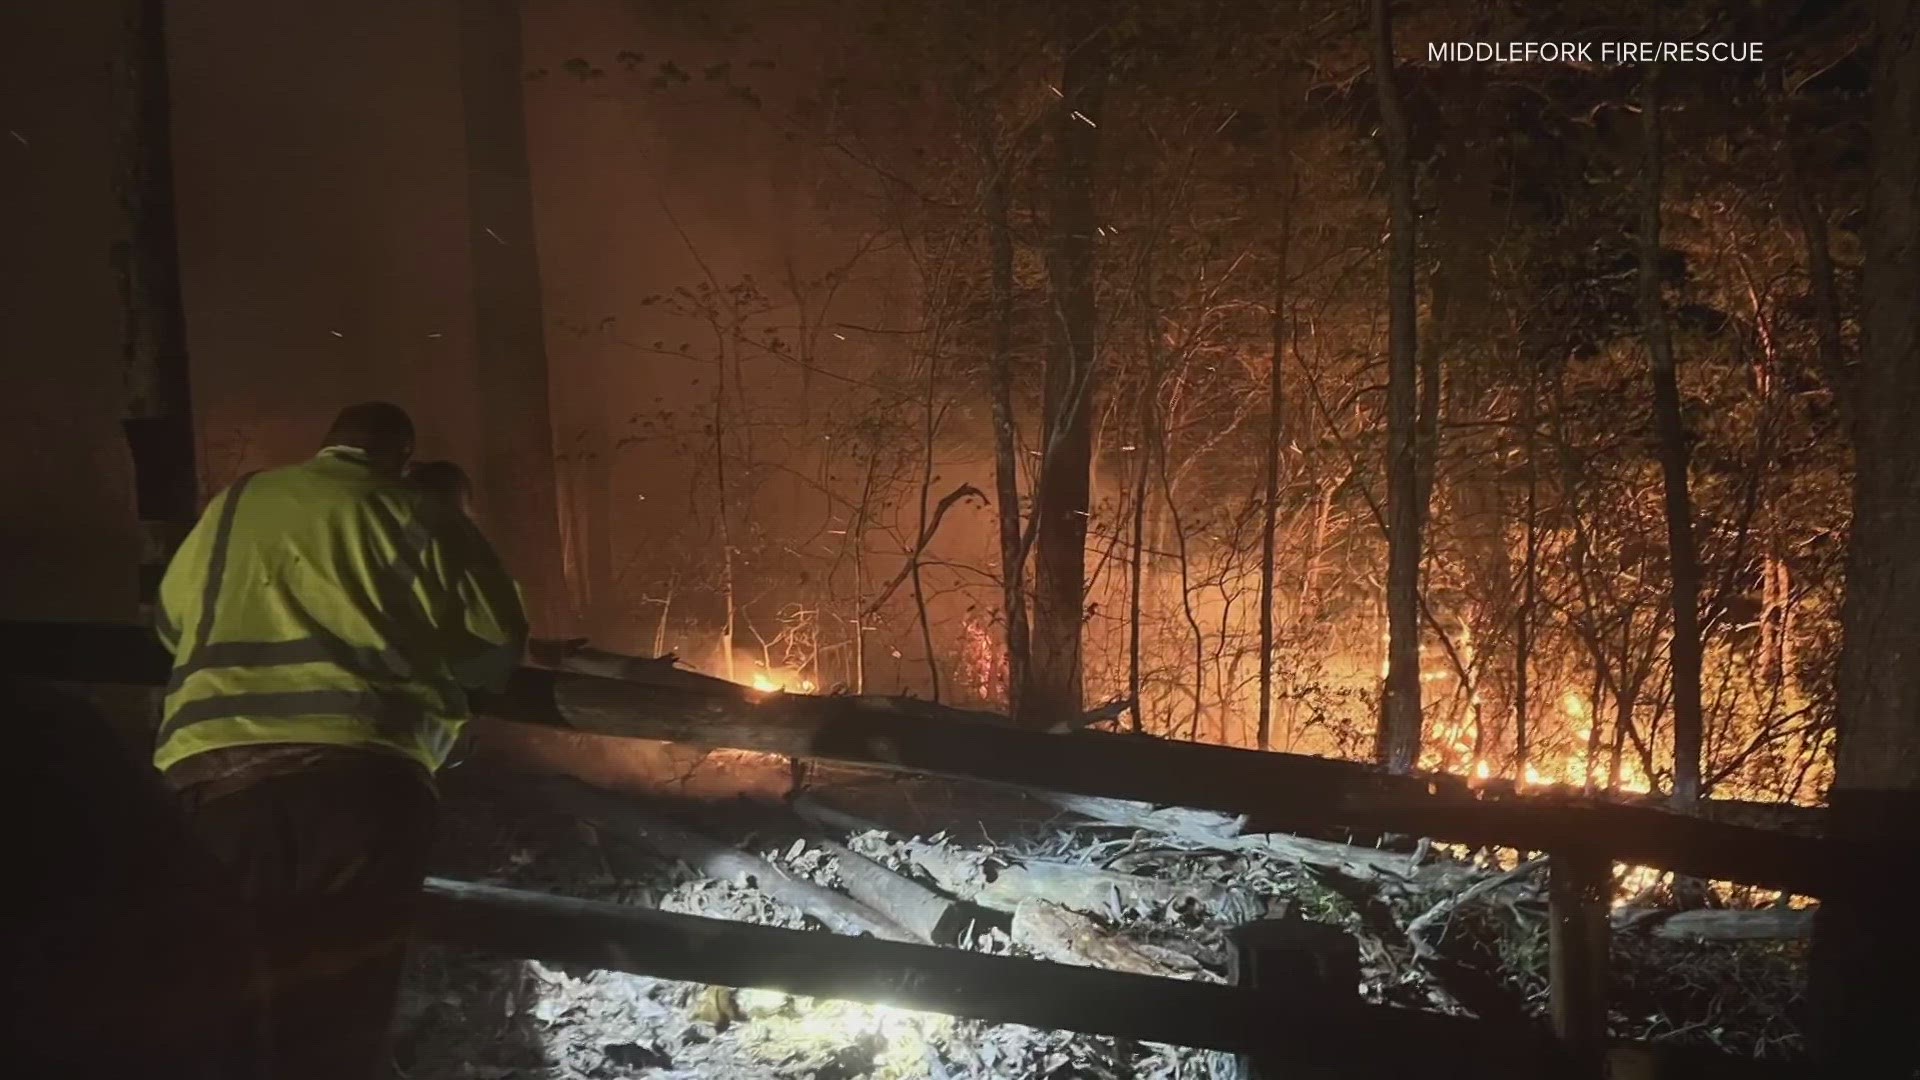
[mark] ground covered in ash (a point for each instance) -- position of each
(470, 1017)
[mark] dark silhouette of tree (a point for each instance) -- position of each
(158, 417)
(517, 471)
(1670, 435)
(1862, 985)
(1061, 502)
(1398, 741)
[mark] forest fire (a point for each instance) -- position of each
(981, 509)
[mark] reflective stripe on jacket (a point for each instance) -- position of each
(330, 603)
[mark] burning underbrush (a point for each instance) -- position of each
(1036, 884)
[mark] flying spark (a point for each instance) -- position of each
(1082, 117)
(496, 238)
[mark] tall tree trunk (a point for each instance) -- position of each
(1811, 220)
(1398, 738)
(1529, 571)
(1136, 598)
(158, 418)
(1461, 336)
(509, 340)
(1861, 982)
(930, 416)
(1276, 424)
(724, 518)
(1006, 464)
(1063, 497)
(1776, 614)
(1146, 445)
(1671, 435)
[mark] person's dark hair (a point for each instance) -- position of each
(445, 479)
(373, 426)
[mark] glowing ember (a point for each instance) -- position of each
(780, 682)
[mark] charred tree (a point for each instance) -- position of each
(1810, 218)
(1146, 422)
(1276, 424)
(1861, 981)
(1006, 465)
(1398, 737)
(1062, 501)
(509, 340)
(1670, 434)
(1529, 580)
(1461, 336)
(158, 418)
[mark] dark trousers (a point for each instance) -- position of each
(329, 859)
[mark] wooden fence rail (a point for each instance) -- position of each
(1311, 1030)
(1279, 790)
(1315, 1030)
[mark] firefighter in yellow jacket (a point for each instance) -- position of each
(326, 622)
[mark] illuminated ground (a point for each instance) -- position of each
(468, 1017)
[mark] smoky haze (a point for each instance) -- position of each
(324, 224)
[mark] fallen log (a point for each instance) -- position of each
(1761, 924)
(647, 768)
(1222, 832)
(930, 917)
(1055, 933)
(1207, 826)
(1279, 790)
(1364, 863)
(723, 862)
(1312, 792)
(580, 658)
(1072, 886)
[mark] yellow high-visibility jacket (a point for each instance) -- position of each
(329, 603)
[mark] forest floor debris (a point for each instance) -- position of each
(466, 1017)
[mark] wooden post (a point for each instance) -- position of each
(1302, 967)
(1577, 886)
